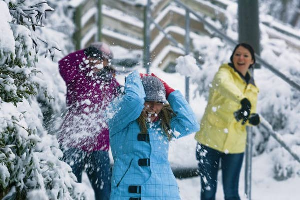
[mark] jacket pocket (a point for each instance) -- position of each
(125, 173)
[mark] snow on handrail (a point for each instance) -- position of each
(278, 138)
(87, 16)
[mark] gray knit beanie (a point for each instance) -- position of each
(154, 89)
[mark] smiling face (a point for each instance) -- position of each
(242, 60)
(152, 109)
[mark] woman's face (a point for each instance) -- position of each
(242, 60)
(152, 109)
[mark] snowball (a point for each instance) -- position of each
(186, 65)
(214, 109)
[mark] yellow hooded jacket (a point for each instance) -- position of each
(218, 129)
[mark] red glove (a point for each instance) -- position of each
(142, 75)
(169, 90)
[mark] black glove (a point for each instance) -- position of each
(243, 113)
(254, 119)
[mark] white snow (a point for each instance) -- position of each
(88, 15)
(7, 42)
(186, 65)
(91, 33)
(277, 102)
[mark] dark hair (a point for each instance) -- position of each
(165, 115)
(107, 73)
(98, 50)
(248, 47)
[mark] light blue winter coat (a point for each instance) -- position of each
(141, 168)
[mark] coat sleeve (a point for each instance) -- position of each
(128, 107)
(185, 121)
(223, 82)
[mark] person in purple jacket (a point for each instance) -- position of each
(84, 137)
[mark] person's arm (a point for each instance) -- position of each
(223, 82)
(185, 121)
(128, 107)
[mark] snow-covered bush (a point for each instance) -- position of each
(279, 104)
(58, 29)
(29, 157)
(211, 53)
(286, 11)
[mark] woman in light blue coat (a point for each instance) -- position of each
(142, 122)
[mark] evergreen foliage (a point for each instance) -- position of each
(29, 157)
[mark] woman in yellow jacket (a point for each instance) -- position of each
(222, 135)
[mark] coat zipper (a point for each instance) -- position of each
(125, 173)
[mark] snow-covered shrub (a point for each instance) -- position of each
(211, 53)
(29, 157)
(286, 11)
(58, 29)
(279, 104)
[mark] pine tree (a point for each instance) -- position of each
(29, 157)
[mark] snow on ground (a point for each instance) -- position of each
(264, 187)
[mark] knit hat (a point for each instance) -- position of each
(154, 89)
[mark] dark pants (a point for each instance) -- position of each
(97, 166)
(231, 165)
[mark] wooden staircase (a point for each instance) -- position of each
(123, 25)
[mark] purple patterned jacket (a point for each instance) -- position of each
(84, 126)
